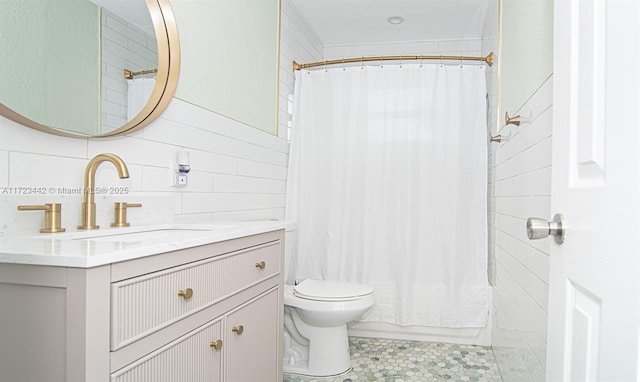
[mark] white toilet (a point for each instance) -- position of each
(316, 313)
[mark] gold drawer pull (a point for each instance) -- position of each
(186, 294)
(216, 344)
(261, 265)
(238, 329)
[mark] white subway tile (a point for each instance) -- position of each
(113, 35)
(233, 183)
(533, 285)
(188, 114)
(526, 136)
(45, 171)
(279, 172)
(338, 51)
(16, 137)
(194, 218)
(262, 214)
(458, 47)
(170, 132)
(523, 208)
(260, 201)
(271, 186)
(155, 179)
(532, 183)
(256, 169)
(134, 150)
(211, 162)
(109, 182)
(532, 311)
(196, 203)
(372, 50)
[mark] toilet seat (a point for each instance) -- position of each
(322, 290)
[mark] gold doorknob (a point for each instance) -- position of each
(238, 329)
(261, 265)
(216, 344)
(186, 294)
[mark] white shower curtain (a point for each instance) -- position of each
(388, 186)
(138, 93)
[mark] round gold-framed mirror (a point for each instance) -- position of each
(159, 96)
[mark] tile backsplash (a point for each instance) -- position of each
(238, 172)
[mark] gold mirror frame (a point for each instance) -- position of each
(164, 25)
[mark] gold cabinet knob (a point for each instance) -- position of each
(238, 329)
(216, 344)
(52, 216)
(186, 294)
(261, 265)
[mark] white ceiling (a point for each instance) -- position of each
(338, 22)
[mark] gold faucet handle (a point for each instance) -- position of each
(120, 213)
(52, 216)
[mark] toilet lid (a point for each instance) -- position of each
(331, 290)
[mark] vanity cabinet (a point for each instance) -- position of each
(207, 313)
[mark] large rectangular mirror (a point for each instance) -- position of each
(229, 58)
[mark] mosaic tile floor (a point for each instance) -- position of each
(378, 359)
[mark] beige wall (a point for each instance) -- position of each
(526, 58)
(229, 58)
(54, 54)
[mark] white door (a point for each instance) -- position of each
(594, 290)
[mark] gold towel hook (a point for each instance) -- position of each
(497, 138)
(512, 120)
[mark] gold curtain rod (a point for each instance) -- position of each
(128, 74)
(489, 60)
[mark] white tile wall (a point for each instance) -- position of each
(297, 43)
(489, 44)
(123, 47)
(520, 184)
(238, 172)
(519, 187)
(457, 47)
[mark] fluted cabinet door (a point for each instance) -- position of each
(252, 351)
(191, 358)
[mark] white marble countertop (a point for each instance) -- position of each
(86, 249)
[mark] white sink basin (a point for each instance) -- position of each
(149, 233)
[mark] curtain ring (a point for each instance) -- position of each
(361, 63)
(441, 64)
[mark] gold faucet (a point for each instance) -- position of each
(88, 204)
